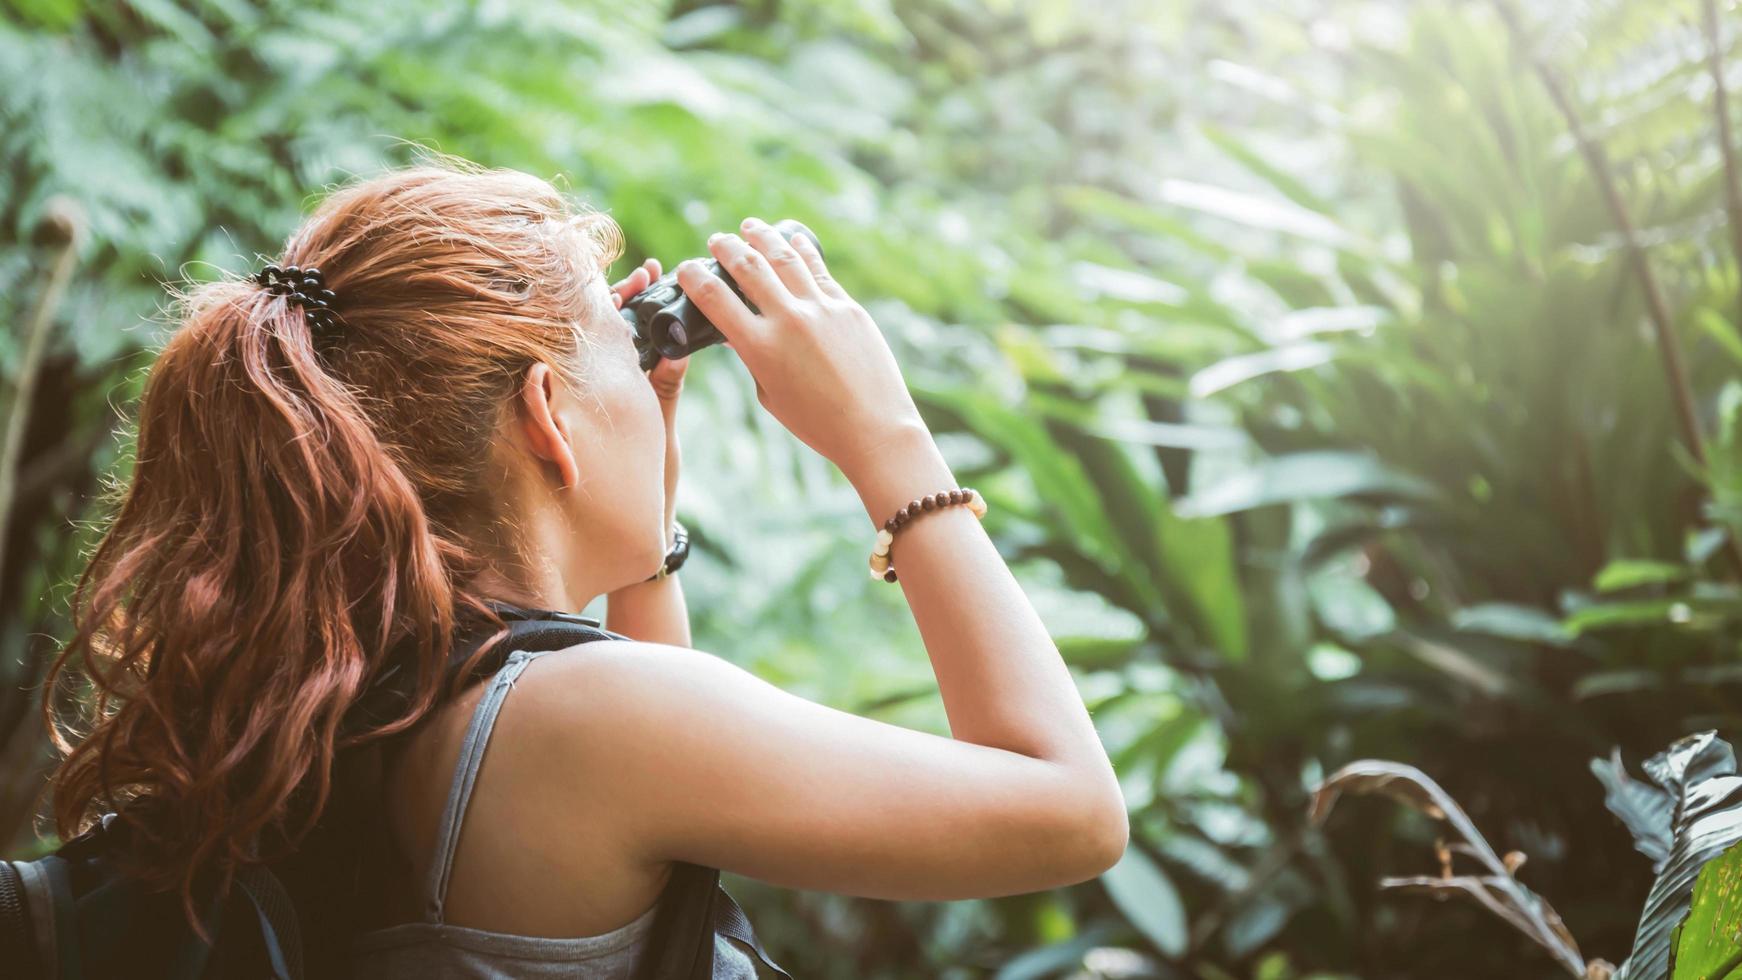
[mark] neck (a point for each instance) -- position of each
(495, 583)
(521, 569)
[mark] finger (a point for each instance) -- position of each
(634, 283)
(786, 263)
(652, 267)
(750, 269)
(718, 303)
(813, 261)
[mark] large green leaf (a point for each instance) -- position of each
(1708, 945)
(1301, 476)
(1631, 573)
(1699, 771)
(1148, 898)
(1231, 371)
(1256, 212)
(1512, 622)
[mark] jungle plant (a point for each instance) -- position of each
(1684, 819)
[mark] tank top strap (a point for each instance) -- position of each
(465, 777)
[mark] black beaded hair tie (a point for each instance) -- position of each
(306, 288)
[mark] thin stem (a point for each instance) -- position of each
(1727, 150)
(21, 746)
(1726, 146)
(65, 223)
(1657, 308)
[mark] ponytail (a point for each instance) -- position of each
(290, 521)
(267, 550)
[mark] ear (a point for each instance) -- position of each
(546, 430)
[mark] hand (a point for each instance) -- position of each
(667, 380)
(821, 365)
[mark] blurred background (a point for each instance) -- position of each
(1348, 378)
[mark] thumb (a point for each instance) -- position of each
(667, 377)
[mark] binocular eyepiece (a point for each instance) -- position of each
(668, 325)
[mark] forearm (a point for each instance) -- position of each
(1003, 681)
(653, 612)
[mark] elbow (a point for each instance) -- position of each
(1100, 828)
(1107, 835)
(1070, 832)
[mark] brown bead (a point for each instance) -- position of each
(955, 496)
(911, 509)
(941, 498)
(926, 503)
(889, 525)
(967, 495)
(889, 576)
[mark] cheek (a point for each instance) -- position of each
(637, 419)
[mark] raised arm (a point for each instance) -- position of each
(703, 762)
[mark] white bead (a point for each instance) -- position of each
(884, 538)
(881, 549)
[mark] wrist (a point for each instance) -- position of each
(905, 465)
(677, 550)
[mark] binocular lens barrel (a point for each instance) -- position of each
(668, 325)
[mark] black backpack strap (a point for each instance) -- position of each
(680, 946)
(389, 695)
(59, 878)
(280, 932)
(693, 909)
(731, 922)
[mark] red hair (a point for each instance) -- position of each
(294, 514)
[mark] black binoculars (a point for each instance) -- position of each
(668, 325)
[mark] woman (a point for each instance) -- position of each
(319, 493)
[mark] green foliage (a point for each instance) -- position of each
(1689, 823)
(1148, 898)
(1698, 778)
(1293, 345)
(1708, 944)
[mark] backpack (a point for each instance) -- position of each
(74, 915)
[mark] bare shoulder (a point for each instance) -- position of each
(610, 687)
(630, 662)
(619, 732)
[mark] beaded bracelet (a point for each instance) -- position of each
(880, 567)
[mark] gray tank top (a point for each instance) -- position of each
(436, 948)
